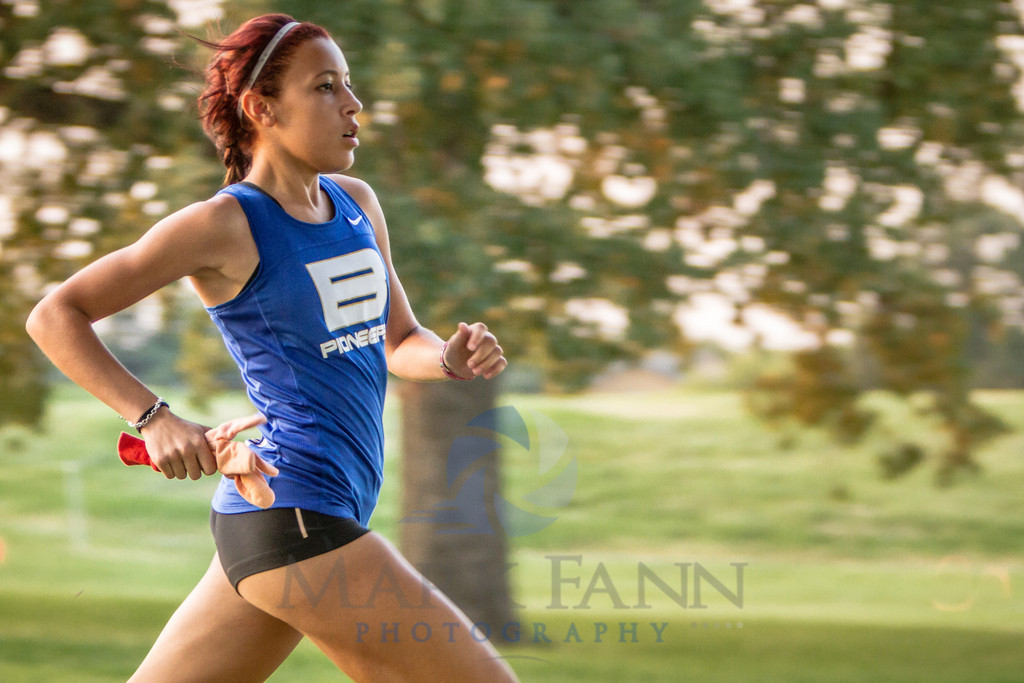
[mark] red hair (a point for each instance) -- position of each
(226, 77)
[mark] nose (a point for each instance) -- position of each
(352, 105)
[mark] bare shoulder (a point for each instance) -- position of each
(200, 241)
(360, 191)
(354, 186)
(223, 208)
(209, 221)
(208, 241)
(208, 229)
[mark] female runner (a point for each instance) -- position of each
(292, 261)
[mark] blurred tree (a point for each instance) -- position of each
(887, 149)
(97, 142)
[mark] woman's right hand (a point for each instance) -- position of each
(178, 447)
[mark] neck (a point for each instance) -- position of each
(296, 189)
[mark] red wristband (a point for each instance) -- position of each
(447, 370)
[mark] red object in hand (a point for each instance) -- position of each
(132, 451)
(234, 460)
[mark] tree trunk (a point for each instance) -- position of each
(450, 480)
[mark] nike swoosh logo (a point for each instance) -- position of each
(356, 221)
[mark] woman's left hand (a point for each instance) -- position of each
(473, 351)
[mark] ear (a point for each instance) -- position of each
(258, 109)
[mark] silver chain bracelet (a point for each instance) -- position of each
(149, 415)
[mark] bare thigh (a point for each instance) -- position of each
(376, 617)
(215, 635)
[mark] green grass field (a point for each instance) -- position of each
(845, 576)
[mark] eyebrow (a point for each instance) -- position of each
(331, 71)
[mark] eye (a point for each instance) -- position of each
(350, 87)
(326, 87)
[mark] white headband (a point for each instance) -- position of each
(267, 51)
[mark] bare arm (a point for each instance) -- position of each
(183, 244)
(413, 351)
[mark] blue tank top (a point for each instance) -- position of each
(307, 332)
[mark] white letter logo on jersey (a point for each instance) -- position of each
(353, 289)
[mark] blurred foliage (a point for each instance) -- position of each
(74, 144)
(572, 172)
(818, 388)
(913, 287)
(209, 369)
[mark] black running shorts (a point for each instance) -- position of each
(253, 542)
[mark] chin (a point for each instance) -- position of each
(341, 165)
